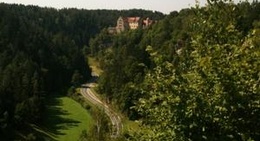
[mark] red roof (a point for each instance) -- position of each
(133, 19)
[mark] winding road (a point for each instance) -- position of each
(87, 93)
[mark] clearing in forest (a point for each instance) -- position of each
(65, 120)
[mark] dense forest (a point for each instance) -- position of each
(194, 75)
(41, 54)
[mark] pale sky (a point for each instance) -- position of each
(165, 6)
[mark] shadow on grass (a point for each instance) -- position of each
(54, 120)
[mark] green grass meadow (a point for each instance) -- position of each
(65, 120)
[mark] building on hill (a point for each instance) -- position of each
(122, 24)
(129, 23)
(134, 22)
(147, 23)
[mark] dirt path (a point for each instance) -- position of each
(91, 97)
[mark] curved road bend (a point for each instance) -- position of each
(91, 97)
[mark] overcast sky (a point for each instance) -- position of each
(164, 6)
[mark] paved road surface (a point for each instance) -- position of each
(91, 97)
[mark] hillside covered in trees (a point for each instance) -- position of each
(40, 55)
(195, 75)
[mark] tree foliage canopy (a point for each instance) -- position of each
(197, 72)
(213, 92)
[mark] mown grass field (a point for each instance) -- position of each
(65, 120)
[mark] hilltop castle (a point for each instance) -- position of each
(131, 23)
